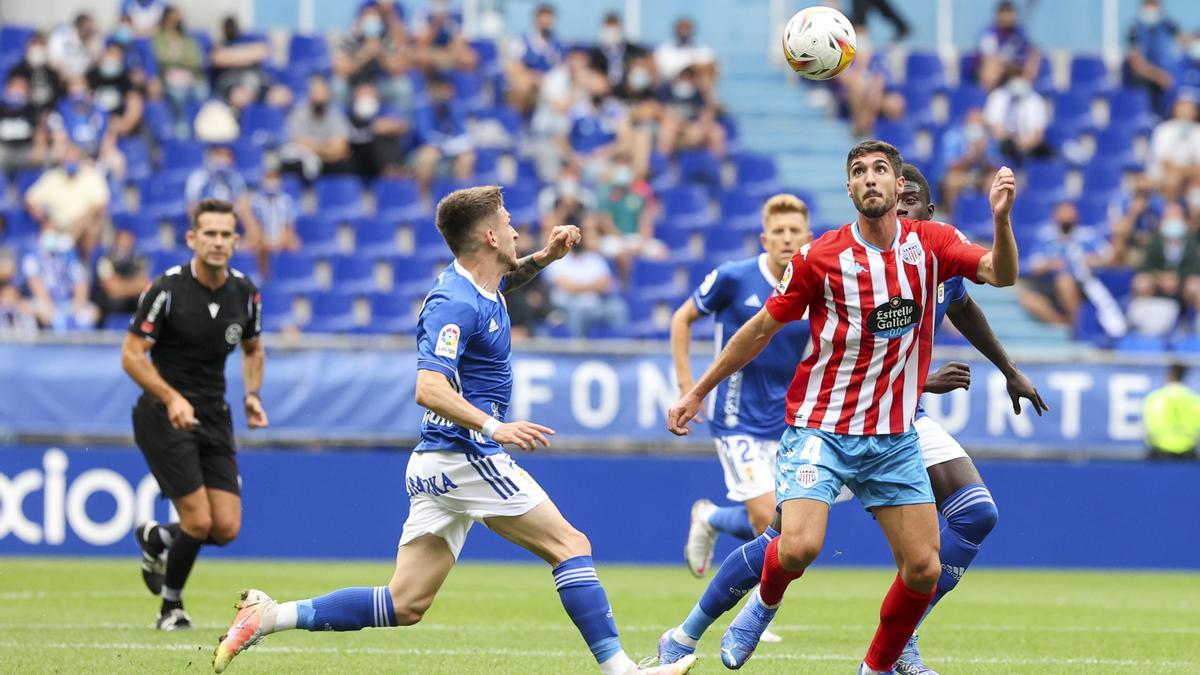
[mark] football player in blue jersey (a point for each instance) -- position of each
(459, 473)
(743, 418)
(962, 498)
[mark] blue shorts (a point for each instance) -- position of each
(884, 470)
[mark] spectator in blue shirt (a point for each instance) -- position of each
(78, 121)
(58, 283)
(690, 116)
(241, 59)
(218, 179)
(144, 15)
(438, 39)
(531, 57)
(1003, 46)
(1152, 57)
(442, 132)
(275, 210)
(1060, 259)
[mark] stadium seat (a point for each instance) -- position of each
(138, 166)
(1131, 107)
(1116, 147)
(163, 198)
(396, 200)
(683, 245)
(339, 197)
(319, 234)
(1047, 179)
(13, 40)
(964, 99)
(652, 280)
(1101, 179)
(246, 263)
(1187, 345)
(119, 321)
(740, 211)
(354, 274)
(1094, 212)
(699, 166)
(393, 313)
(1030, 214)
(293, 273)
(1089, 75)
(756, 174)
(899, 133)
(248, 160)
(919, 106)
(726, 243)
(973, 215)
(1141, 344)
(22, 180)
(521, 202)
(308, 54)
(159, 120)
(1043, 82)
(264, 125)
(180, 158)
(412, 277)
(649, 319)
(487, 170)
(1073, 113)
(686, 207)
(428, 244)
(277, 310)
(332, 312)
(1118, 281)
(924, 70)
(468, 91)
(376, 238)
(20, 229)
(146, 230)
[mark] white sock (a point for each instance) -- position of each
(683, 638)
(172, 594)
(285, 617)
(618, 664)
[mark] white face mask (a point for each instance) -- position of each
(622, 175)
(610, 36)
(683, 89)
(37, 57)
(1150, 15)
(1174, 228)
(1193, 199)
(639, 79)
(366, 106)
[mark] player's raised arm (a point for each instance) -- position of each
(999, 267)
(562, 239)
(745, 345)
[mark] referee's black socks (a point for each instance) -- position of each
(180, 558)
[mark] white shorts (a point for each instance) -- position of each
(449, 491)
(749, 465)
(937, 447)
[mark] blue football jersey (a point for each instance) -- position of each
(464, 333)
(949, 292)
(748, 402)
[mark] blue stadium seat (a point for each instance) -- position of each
(682, 244)
(508, 119)
(1131, 107)
(1115, 147)
(248, 159)
(740, 211)
(308, 54)
(1141, 344)
(264, 125)
(490, 61)
(138, 166)
(653, 280)
(339, 197)
(1100, 178)
(180, 158)
(468, 90)
(293, 273)
(521, 202)
(725, 243)
(964, 99)
(163, 198)
(756, 174)
(687, 207)
(13, 40)
(23, 179)
(899, 133)
(427, 240)
(444, 186)
(1094, 211)
(393, 313)
(648, 319)
(397, 201)
(119, 321)
(332, 312)
(699, 166)
(487, 166)
(918, 106)
(145, 229)
(320, 235)
(277, 310)
(20, 229)
(1187, 345)
(375, 238)
(412, 277)
(1089, 75)
(1073, 112)
(661, 175)
(1047, 178)
(973, 215)
(159, 120)
(1043, 82)
(1030, 214)
(924, 70)
(246, 263)
(354, 274)
(1118, 280)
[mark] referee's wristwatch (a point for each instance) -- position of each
(246, 398)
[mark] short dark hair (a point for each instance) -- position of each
(544, 8)
(210, 206)
(886, 149)
(914, 176)
(461, 210)
(1176, 372)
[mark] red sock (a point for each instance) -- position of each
(898, 617)
(775, 578)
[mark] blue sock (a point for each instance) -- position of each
(732, 520)
(739, 573)
(970, 515)
(347, 609)
(586, 603)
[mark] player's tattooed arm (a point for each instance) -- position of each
(562, 239)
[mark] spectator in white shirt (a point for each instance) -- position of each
(1175, 149)
(682, 52)
(74, 47)
(1017, 117)
(584, 289)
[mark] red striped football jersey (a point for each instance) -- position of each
(872, 323)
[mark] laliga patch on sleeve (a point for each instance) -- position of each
(785, 280)
(709, 280)
(447, 341)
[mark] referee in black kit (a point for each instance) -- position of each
(189, 320)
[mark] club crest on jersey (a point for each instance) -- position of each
(912, 253)
(785, 280)
(806, 476)
(447, 341)
(893, 319)
(233, 333)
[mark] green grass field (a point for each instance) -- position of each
(93, 616)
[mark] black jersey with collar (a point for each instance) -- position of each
(194, 328)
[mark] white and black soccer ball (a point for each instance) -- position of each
(819, 43)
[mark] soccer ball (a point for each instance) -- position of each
(819, 43)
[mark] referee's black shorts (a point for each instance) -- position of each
(182, 461)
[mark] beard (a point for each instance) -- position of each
(875, 211)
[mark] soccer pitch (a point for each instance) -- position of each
(94, 616)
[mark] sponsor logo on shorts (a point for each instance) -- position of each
(806, 476)
(433, 485)
(893, 319)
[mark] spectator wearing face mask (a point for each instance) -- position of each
(80, 122)
(369, 54)
(45, 84)
(438, 39)
(966, 152)
(121, 275)
(240, 59)
(115, 93)
(71, 199)
(318, 135)
(1175, 149)
(681, 52)
(1152, 53)
(584, 289)
(531, 57)
(613, 54)
(180, 66)
(218, 179)
(1017, 117)
(1058, 263)
(379, 134)
(57, 281)
(144, 15)
(626, 214)
(1005, 46)
(441, 128)
(689, 117)
(275, 210)
(74, 47)
(23, 138)
(1168, 276)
